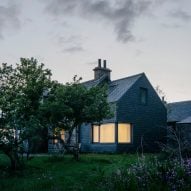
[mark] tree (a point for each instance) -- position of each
(21, 93)
(161, 94)
(69, 106)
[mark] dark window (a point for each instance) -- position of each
(143, 96)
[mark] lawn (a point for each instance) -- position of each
(56, 173)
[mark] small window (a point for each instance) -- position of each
(95, 133)
(143, 96)
(124, 133)
(55, 141)
(62, 135)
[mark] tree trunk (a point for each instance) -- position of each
(69, 136)
(14, 159)
(77, 149)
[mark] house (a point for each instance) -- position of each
(179, 112)
(139, 121)
(179, 117)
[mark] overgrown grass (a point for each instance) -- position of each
(52, 173)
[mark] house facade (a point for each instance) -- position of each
(179, 118)
(179, 113)
(139, 121)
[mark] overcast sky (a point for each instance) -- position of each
(134, 36)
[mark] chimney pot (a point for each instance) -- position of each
(100, 71)
(99, 63)
(105, 64)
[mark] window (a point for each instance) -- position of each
(124, 133)
(107, 133)
(62, 135)
(58, 136)
(95, 133)
(104, 133)
(143, 96)
(55, 141)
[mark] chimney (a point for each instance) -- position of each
(100, 71)
(104, 63)
(99, 63)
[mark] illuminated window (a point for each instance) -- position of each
(95, 133)
(143, 96)
(55, 141)
(104, 133)
(124, 133)
(62, 135)
(107, 133)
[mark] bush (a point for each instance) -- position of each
(151, 175)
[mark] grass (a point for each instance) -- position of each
(51, 173)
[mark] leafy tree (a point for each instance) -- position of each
(69, 106)
(21, 93)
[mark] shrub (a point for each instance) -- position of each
(151, 175)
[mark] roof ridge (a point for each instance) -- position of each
(186, 101)
(93, 80)
(129, 77)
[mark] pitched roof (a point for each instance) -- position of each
(117, 88)
(187, 120)
(93, 83)
(179, 111)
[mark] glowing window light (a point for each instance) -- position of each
(107, 133)
(124, 133)
(62, 135)
(95, 133)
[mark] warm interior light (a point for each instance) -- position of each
(95, 133)
(124, 133)
(107, 133)
(62, 135)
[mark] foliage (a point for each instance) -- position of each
(99, 172)
(48, 173)
(161, 94)
(69, 106)
(21, 95)
(151, 175)
(178, 145)
(30, 102)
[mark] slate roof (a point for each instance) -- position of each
(186, 121)
(179, 111)
(93, 83)
(117, 88)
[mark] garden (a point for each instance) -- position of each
(96, 172)
(31, 105)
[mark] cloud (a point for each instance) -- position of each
(171, 25)
(70, 44)
(74, 49)
(9, 17)
(181, 15)
(120, 14)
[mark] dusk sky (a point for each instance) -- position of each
(134, 36)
